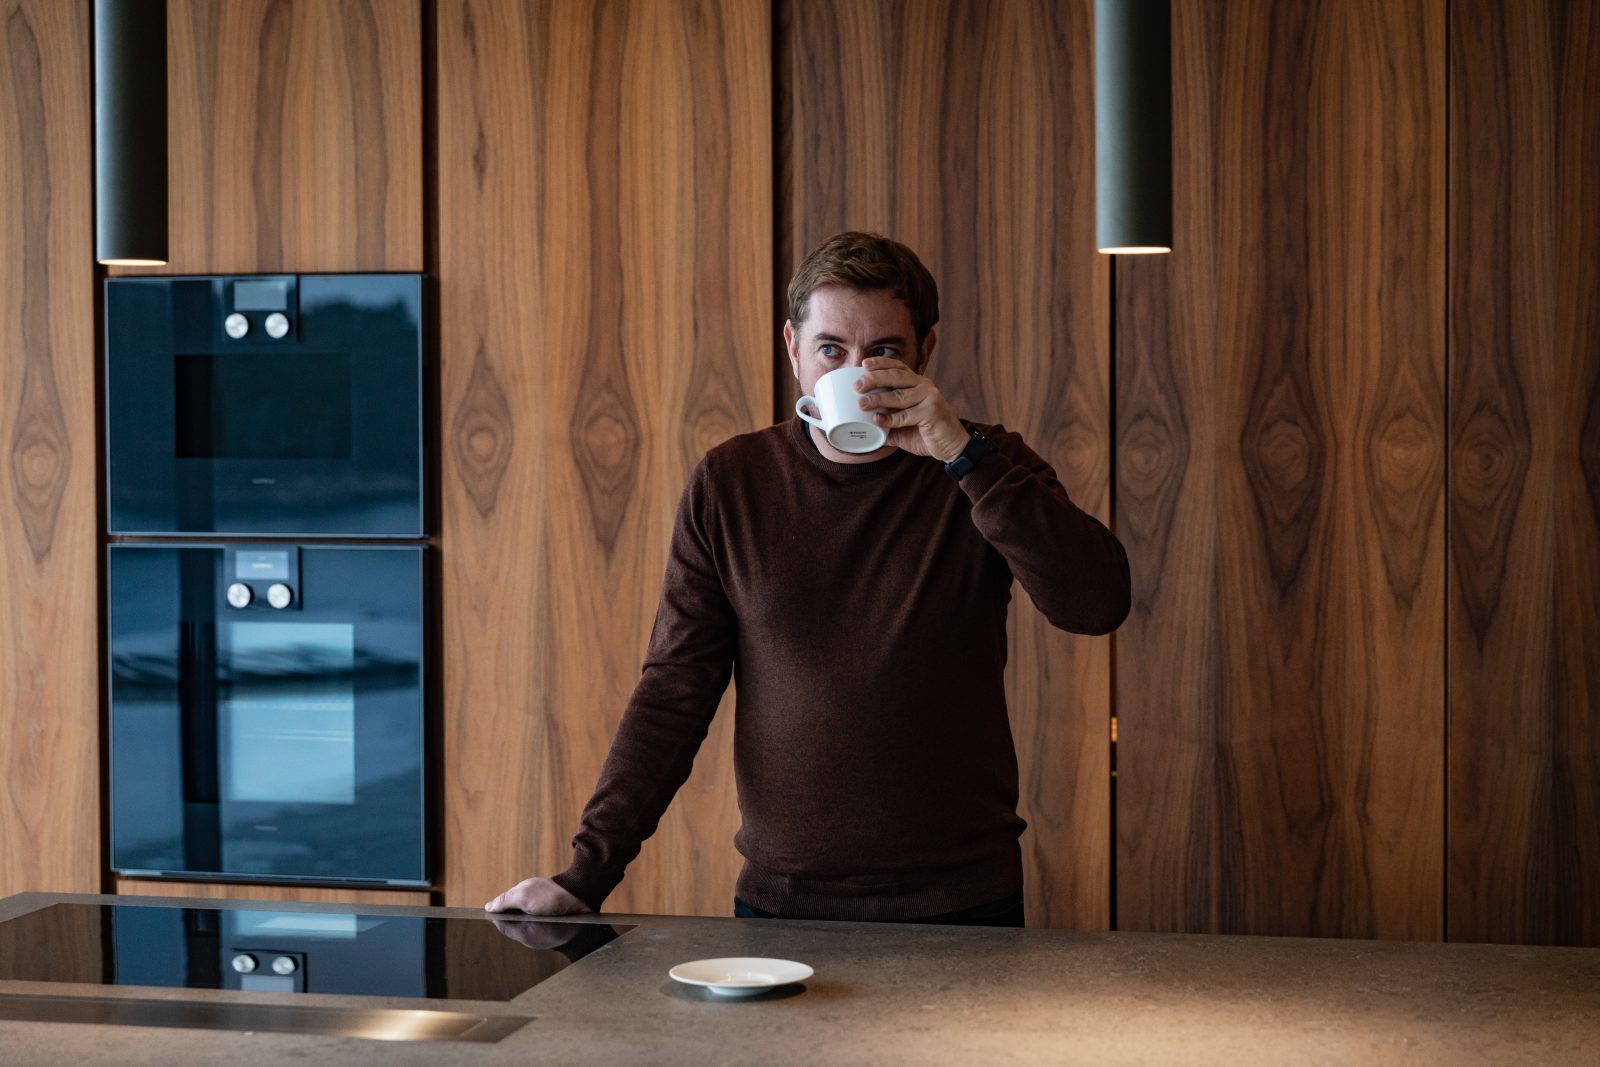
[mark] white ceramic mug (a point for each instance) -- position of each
(842, 422)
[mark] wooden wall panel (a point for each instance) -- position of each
(1280, 459)
(300, 894)
(964, 128)
(1524, 618)
(604, 255)
(294, 136)
(49, 695)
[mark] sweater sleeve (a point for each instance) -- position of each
(1073, 568)
(686, 669)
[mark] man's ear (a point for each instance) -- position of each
(927, 350)
(794, 353)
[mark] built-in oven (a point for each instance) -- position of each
(266, 706)
(265, 405)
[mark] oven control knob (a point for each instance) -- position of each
(239, 595)
(236, 325)
(278, 595)
(244, 963)
(284, 965)
(277, 325)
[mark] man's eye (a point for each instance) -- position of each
(883, 350)
(831, 351)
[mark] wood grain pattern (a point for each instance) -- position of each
(55, 946)
(49, 703)
(144, 887)
(1524, 604)
(604, 250)
(294, 136)
(965, 130)
(1280, 449)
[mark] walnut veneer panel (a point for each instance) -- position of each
(605, 258)
(299, 894)
(1524, 621)
(49, 700)
(965, 129)
(294, 136)
(1280, 485)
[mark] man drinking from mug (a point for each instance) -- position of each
(860, 599)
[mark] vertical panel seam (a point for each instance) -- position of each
(435, 740)
(98, 274)
(1111, 518)
(1444, 865)
(780, 210)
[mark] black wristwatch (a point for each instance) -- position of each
(978, 447)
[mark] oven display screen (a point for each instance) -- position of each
(256, 406)
(261, 296)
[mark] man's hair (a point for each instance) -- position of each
(867, 262)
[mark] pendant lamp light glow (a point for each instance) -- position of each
(1133, 125)
(130, 132)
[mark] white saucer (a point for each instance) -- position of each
(740, 976)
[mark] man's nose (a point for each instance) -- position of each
(855, 358)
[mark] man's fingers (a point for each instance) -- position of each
(885, 363)
(893, 398)
(891, 377)
(537, 896)
(511, 899)
(893, 419)
(917, 416)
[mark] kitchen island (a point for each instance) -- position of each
(893, 994)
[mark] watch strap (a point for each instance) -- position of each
(978, 446)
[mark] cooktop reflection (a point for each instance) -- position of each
(293, 951)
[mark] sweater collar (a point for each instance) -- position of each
(807, 446)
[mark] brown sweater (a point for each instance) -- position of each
(861, 610)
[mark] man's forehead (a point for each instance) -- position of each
(871, 342)
(846, 313)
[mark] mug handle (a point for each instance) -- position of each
(812, 419)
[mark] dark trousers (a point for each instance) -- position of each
(1004, 912)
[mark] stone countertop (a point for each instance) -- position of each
(928, 995)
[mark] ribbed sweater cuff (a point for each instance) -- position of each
(587, 880)
(988, 470)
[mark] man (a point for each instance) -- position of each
(860, 600)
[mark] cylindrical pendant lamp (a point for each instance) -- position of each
(1133, 125)
(130, 138)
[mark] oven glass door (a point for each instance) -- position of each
(262, 742)
(314, 433)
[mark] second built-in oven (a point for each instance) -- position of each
(267, 711)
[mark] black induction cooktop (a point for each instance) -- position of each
(293, 951)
